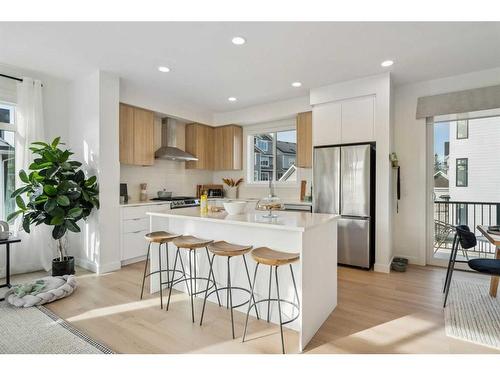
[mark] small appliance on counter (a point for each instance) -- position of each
(213, 191)
(123, 193)
(179, 201)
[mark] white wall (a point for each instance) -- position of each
(410, 234)
(93, 135)
(380, 87)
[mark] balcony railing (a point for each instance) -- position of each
(448, 214)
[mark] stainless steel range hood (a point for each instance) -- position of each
(169, 149)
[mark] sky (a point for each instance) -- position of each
(288, 136)
(441, 135)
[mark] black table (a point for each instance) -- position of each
(7, 260)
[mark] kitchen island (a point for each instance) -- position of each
(314, 236)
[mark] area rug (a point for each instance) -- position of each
(472, 315)
(37, 330)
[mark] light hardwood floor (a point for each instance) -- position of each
(376, 313)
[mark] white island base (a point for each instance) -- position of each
(314, 236)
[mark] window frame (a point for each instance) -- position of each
(268, 128)
(9, 127)
(457, 160)
(12, 127)
(466, 129)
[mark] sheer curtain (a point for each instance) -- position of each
(36, 248)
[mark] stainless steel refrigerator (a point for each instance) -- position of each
(344, 184)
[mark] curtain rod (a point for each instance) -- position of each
(10, 77)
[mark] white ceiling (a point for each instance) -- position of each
(206, 68)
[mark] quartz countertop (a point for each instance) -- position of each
(286, 220)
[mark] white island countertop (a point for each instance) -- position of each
(286, 220)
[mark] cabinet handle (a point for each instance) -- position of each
(138, 218)
(138, 231)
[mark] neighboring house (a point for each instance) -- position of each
(474, 162)
(441, 186)
(263, 157)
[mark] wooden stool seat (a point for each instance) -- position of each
(160, 236)
(226, 249)
(270, 257)
(191, 242)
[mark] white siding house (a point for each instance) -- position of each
(481, 152)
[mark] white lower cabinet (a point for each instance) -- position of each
(134, 225)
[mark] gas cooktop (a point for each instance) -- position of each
(180, 201)
(169, 199)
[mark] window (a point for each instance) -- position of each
(274, 155)
(462, 172)
(463, 129)
(7, 159)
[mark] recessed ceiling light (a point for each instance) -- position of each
(296, 84)
(238, 40)
(232, 99)
(387, 63)
(164, 69)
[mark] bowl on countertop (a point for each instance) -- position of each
(235, 207)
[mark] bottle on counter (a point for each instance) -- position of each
(204, 203)
(144, 192)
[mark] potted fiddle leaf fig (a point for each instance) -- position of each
(55, 193)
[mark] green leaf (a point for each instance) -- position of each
(20, 203)
(20, 191)
(63, 200)
(38, 166)
(26, 224)
(50, 190)
(58, 232)
(57, 220)
(55, 142)
(14, 214)
(24, 177)
(72, 226)
(91, 181)
(75, 164)
(40, 144)
(50, 205)
(75, 212)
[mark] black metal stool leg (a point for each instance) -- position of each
(449, 263)
(213, 276)
(249, 303)
(295, 286)
(230, 292)
(210, 261)
(195, 279)
(159, 273)
(173, 276)
(279, 308)
(184, 272)
(269, 300)
(168, 265)
(145, 269)
(191, 284)
(448, 284)
(250, 284)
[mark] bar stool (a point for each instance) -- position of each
(274, 258)
(191, 244)
(229, 250)
(160, 237)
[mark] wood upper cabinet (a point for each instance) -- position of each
(304, 140)
(228, 144)
(200, 143)
(219, 148)
(136, 135)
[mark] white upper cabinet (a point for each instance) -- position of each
(348, 121)
(358, 120)
(327, 124)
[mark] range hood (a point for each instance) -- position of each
(169, 149)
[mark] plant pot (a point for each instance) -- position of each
(232, 193)
(63, 267)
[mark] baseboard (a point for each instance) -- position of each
(133, 260)
(412, 259)
(109, 267)
(86, 264)
(382, 268)
(97, 268)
